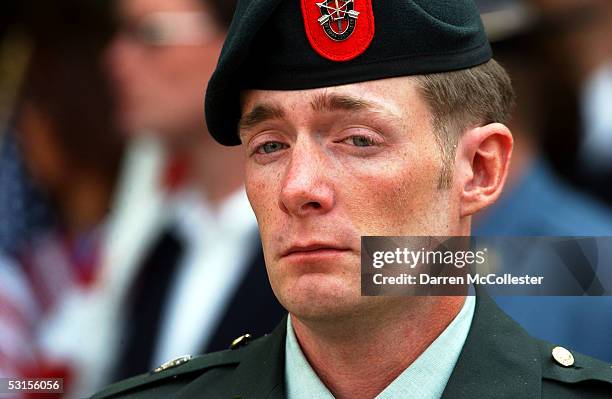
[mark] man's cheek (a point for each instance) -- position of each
(260, 196)
(398, 207)
(380, 211)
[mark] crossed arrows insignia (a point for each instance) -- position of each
(336, 13)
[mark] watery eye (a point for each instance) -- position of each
(270, 147)
(360, 141)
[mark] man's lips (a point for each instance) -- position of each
(313, 250)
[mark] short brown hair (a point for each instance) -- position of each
(459, 100)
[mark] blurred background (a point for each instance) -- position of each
(117, 210)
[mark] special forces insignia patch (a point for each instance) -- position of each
(338, 30)
(338, 18)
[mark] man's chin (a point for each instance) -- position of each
(131, 124)
(322, 300)
(324, 313)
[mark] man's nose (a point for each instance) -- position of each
(306, 188)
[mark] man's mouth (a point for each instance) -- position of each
(314, 250)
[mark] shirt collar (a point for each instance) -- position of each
(426, 377)
(196, 219)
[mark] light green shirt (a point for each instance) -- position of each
(425, 378)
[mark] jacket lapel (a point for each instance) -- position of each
(499, 359)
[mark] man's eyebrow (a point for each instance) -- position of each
(321, 102)
(259, 114)
(339, 102)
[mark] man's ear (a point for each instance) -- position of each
(482, 161)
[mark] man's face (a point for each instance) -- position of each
(327, 166)
(160, 60)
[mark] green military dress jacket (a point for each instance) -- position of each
(499, 360)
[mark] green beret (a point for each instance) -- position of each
(307, 44)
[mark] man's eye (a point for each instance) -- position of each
(360, 141)
(270, 147)
(149, 34)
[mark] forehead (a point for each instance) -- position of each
(396, 97)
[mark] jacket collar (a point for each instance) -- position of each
(499, 359)
(262, 373)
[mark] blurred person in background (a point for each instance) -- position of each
(578, 51)
(59, 160)
(537, 201)
(192, 277)
(24, 208)
(23, 212)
